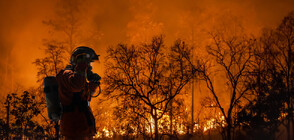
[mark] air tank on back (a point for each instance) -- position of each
(52, 98)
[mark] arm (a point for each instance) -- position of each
(74, 81)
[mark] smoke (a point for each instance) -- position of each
(123, 21)
(19, 42)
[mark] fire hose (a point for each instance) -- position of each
(99, 91)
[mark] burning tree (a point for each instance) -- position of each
(149, 77)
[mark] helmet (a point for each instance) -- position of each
(89, 52)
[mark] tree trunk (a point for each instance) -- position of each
(289, 66)
(229, 132)
(151, 131)
(192, 115)
(292, 125)
(289, 111)
(171, 119)
(156, 125)
(21, 131)
(288, 129)
(229, 127)
(7, 118)
(56, 126)
(156, 129)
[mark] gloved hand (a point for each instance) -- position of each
(94, 80)
(82, 63)
(93, 77)
(93, 86)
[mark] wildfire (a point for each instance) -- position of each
(213, 123)
(151, 128)
(105, 133)
(210, 124)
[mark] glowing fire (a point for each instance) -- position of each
(105, 133)
(213, 123)
(151, 125)
(210, 124)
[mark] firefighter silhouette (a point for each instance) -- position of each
(76, 85)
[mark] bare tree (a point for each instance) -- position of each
(279, 43)
(52, 63)
(23, 109)
(262, 116)
(149, 73)
(285, 45)
(67, 25)
(66, 22)
(232, 56)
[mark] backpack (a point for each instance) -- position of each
(52, 98)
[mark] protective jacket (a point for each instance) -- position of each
(77, 119)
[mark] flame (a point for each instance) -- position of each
(210, 124)
(180, 128)
(282, 116)
(214, 123)
(105, 133)
(197, 126)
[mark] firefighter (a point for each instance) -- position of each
(76, 84)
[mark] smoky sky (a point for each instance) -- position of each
(120, 21)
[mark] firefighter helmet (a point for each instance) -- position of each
(83, 50)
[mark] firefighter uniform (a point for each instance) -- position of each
(77, 120)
